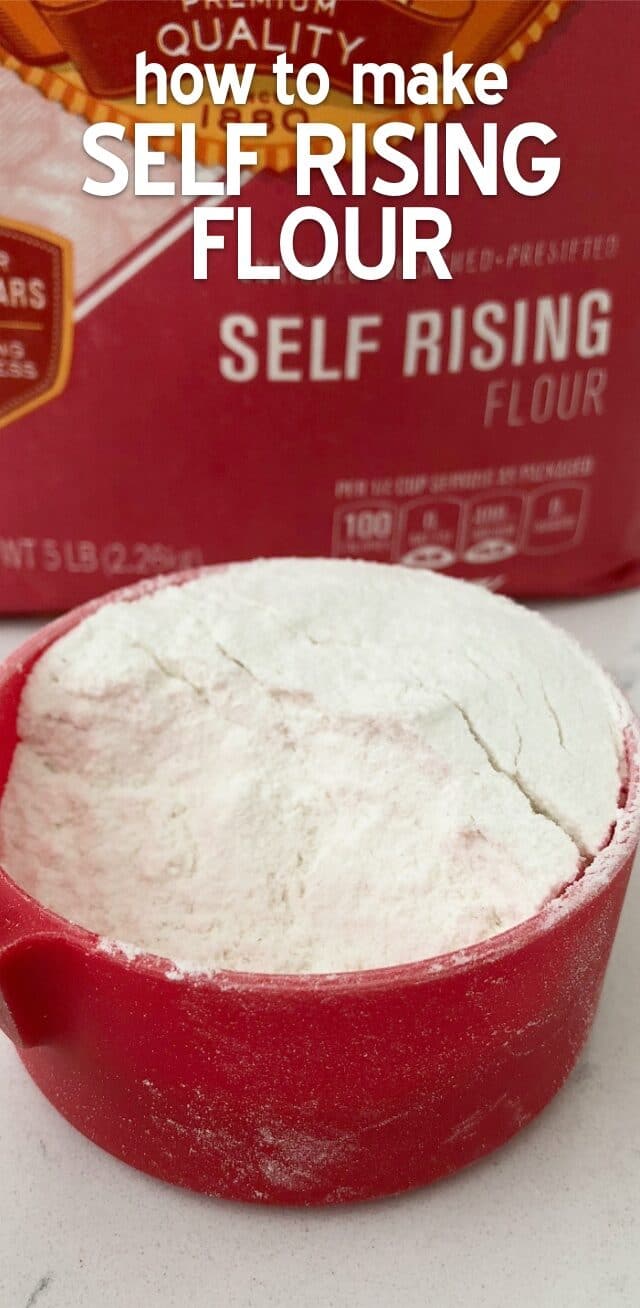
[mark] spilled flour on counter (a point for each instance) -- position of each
(310, 765)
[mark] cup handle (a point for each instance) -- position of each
(27, 1004)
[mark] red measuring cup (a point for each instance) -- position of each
(303, 1089)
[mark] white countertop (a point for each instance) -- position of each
(551, 1219)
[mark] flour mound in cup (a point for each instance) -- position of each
(300, 765)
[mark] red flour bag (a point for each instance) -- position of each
(484, 426)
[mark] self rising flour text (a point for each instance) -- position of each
(395, 160)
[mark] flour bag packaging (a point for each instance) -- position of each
(484, 424)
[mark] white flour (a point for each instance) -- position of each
(308, 766)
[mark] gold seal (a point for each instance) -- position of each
(36, 317)
(81, 53)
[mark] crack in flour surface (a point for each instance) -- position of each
(310, 766)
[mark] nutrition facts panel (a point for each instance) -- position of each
(438, 531)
